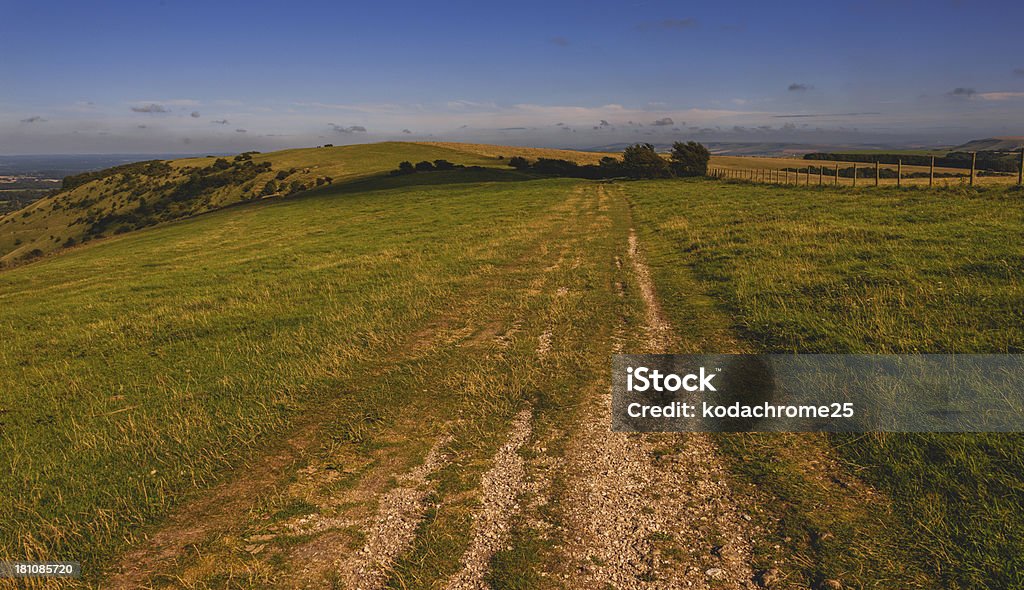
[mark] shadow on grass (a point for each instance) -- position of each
(383, 182)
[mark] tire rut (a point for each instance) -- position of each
(393, 529)
(501, 487)
(654, 510)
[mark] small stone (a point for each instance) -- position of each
(716, 573)
(832, 585)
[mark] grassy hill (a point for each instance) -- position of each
(132, 196)
(251, 386)
(992, 144)
(182, 347)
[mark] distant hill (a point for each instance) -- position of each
(132, 196)
(60, 165)
(992, 144)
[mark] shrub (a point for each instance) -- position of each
(642, 161)
(424, 166)
(519, 162)
(690, 159)
(610, 167)
(443, 165)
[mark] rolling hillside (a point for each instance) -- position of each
(402, 382)
(129, 197)
(132, 196)
(992, 144)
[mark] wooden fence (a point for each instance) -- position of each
(830, 173)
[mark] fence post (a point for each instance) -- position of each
(876, 172)
(1020, 173)
(837, 174)
(821, 175)
(974, 162)
(855, 174)
(807, 176)
(931, 173)
(899, 172)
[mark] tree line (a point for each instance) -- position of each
(638, 161)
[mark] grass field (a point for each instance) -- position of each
(820, 270)
(142, 366)
(48, 225)
(234, 400)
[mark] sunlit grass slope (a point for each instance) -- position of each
(843, 271)
(147, 195)
(137, 368)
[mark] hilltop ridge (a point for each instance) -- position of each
(992, 144)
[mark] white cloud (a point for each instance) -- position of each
(1000, 95)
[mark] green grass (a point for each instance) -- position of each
(46, 225)
(572, 300)
(142, 367)
(888, 271)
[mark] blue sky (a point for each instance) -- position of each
(170, 76)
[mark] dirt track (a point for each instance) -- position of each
(620, 510)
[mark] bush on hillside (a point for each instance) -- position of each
(689, 159)
(642, 161)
